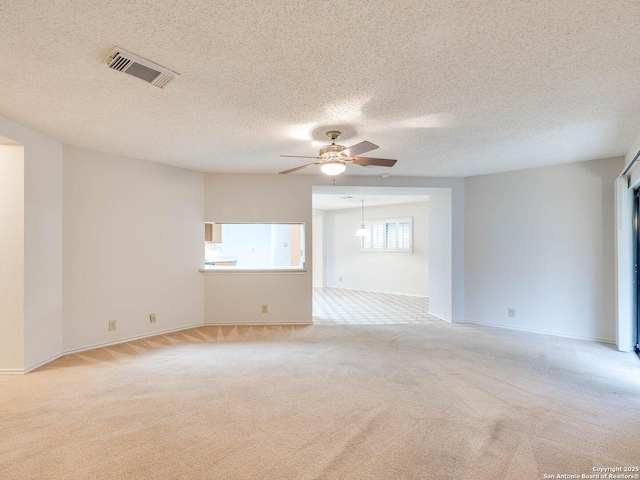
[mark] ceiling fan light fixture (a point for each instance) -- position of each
(333, 167)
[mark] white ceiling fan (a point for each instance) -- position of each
(333, 159)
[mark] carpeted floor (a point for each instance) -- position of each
(346, 402)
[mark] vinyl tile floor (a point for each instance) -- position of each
(339, 306)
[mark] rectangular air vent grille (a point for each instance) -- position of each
(120, 63)
(150, 72)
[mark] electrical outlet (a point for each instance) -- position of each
(511, 312)
(340, 279)
(112, 324)
(152, 318)
(265, 308)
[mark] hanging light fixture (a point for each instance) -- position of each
(362, 232)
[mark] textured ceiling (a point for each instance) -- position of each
(449, 88)
(340, 202)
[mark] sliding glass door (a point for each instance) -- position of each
(636, 257)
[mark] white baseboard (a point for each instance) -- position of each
(544, 332)
(43, 362)
(100, 345)
(441, 317)
(378, 291)
(130, 339)
(11, 371)
(20, 371)
(252, 324)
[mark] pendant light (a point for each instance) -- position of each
(362, 232)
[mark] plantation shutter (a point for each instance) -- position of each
(391, 235)
(404, 235)
(377, 237)
(388, 235)
(365, 242)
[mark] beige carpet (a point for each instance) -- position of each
(349, 402)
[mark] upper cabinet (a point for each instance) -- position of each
(213, 232)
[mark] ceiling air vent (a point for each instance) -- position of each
(152, 73)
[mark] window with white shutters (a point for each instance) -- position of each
(393, 235)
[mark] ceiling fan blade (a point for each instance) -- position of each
(295, 156)
(297, 168)
(379, 162)
(359, 148)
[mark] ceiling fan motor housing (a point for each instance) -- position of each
(331, 149)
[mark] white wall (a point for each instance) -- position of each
(381, 272)
(317, 224)
(238, 297)
(133, 244)
(542, 241)
(42, 321)
(441, 263)
(12, 255)
(43, 251)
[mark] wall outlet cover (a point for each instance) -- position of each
(112, 324)
(152, 318)
(265, 308)
(511, 312)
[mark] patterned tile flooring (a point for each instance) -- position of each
(338, 306)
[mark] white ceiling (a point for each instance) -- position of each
(448, 88)
(340, 202)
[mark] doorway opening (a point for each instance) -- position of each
(12, 252)
(386, 275)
